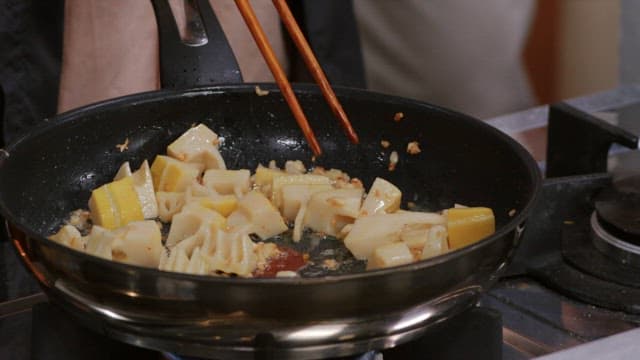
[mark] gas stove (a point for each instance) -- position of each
(571, 291)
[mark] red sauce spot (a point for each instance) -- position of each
(287, 260)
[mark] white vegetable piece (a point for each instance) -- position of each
(123, 172)
(172, 175)
(256, 213)
(304, 179)
(415, 235)
(176, 261)
(70, 236)
(138, 243)
(143, 185)
(286, 274)
(228, 182)
(230, 253)
(370, 232)
(436, 243)
(196, 240)
(188, 221)
(383, 197)
(337, 175)
(329, 211)
(264, 179)
(298, 223)
(220, 251)
(198, 145)
(196, 190)
(169, 204)
(242, 260)
(99, 242)
(388, 255)
(294, 167)
(212, 159)
(197, 263)
(295, 195)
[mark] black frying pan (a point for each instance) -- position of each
(51, 172)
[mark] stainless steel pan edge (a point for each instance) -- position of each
(137, 300)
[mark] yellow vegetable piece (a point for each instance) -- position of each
(468, 225)
(101, 209)
(264, 176)
(172, 175)
(157, 169)
(115, 204)
(225, 204)
(126, 201)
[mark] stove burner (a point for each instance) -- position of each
(615, 223)
(618, 211)
(573, 265)
(612, 246)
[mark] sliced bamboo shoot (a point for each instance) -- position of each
(383, 197)
(329, 211)
(373, 231)
(228, 182)
(257, 213)
(388, 255)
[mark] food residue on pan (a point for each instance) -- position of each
(512, 212)
(398, 116)
(385, 143)
(124, 146)
(393, 160)
(261, 92)
(330, 264)
(186, 212)
(413, 148)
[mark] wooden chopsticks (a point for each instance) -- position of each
(314, 67)
(311, 62)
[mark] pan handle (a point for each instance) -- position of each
(204, 57)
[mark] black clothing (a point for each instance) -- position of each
(30, 58)
(330, 27)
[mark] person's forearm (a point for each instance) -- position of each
(110, 49)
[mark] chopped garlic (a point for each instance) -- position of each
(413, 148)
(261, 92)
(393, 160)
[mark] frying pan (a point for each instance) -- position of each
(52, 170)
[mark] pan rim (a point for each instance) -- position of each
(533, 173)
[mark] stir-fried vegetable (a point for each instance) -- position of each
(218, 221)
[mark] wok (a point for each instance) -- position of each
(52, 170)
